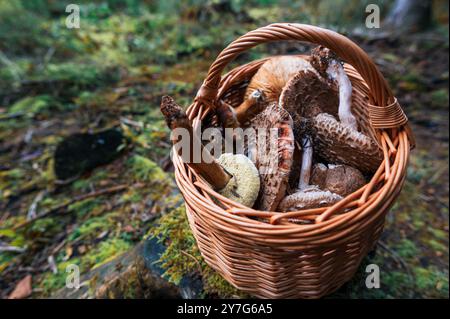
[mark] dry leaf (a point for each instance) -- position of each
(23, 289)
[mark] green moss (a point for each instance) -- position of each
(104, 252)
(437, 246)
(5, 260)
(182, 256)
(432, 281)
(407, 249)
(85, 207)
(10, 182)
(438, 233)
(94, 225)
(439, 98)
(152, 139)
(81, 185)
(145, 170)
(214, 284)
(46, 227)
(34, 105)
(51, 282)
(133, 196)
(78, 73)
(13, 238)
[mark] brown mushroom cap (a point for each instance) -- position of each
(274, 163)
(339, 179)
(307, 94)
(310, 197)
(273, 75)
(307, 196)
(341, 144)
(319, 175)
(320, 59)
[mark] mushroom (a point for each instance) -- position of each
(264, 89)
(233, 176)
(273, 155)
(245, 178)
(339, 179)
(305, 95)
(341, 144)
(307, 196)
(330, 67)
(273, 75)
(311, 99)
(239, 116)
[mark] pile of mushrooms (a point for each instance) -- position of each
(321, 155)
(232, 175)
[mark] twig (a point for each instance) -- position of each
(13, 249)
(101, 192)
(58, 247)
(4, 117)
(48, 56)
(12, 67)
(200, 269)
(130, 122)
(67, 181)
(33, 207)
(52, 264)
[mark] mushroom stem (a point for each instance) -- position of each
(307, 156)
(337, 73)
(208, 168)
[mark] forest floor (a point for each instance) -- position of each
(109, 74)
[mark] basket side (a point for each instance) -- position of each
(269, 254)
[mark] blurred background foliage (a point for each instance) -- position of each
(111, 73)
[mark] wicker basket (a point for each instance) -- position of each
(268, 254)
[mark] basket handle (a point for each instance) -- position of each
(380, 93)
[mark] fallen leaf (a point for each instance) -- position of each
(23, 289)
(69, 252)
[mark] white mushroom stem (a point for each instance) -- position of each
(307, 196)
(337, 73)
(307, 156)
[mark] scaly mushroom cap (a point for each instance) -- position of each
(273, 156)
(273, 75)
(310, 197)
(319, 175)
(320, 59)
(307, 196)
(339, 179)
(341, 144)
(244, 185)
(307, 94)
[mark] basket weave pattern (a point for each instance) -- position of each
(270, 254)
